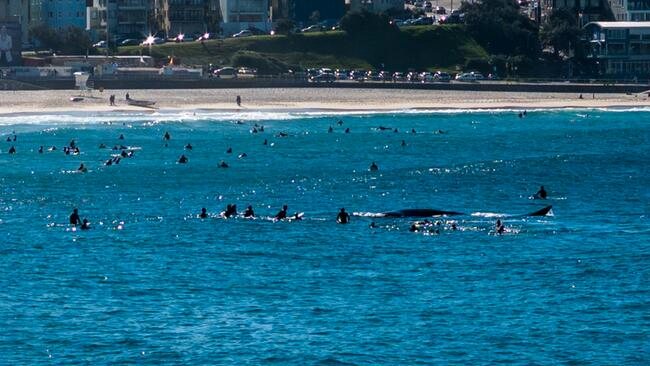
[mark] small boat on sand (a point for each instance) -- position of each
(140, 103)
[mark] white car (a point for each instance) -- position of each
(426, 77)
(465, 76)
(226, 73)
(312, 28)
(244, 33)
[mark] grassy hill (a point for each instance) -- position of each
(421, 47)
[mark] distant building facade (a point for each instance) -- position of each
(243, 14)
(376, 6)
(304, 10)
(58, 14)
(16, 11)
(187, 16)
(585, 10)
(620, 48)
(630, 10)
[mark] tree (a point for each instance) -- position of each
(365, 23)
(500, 28)
(284, 26)
(315, 16)
(561, 32)
(70, 40)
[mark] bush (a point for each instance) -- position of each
(264, 65)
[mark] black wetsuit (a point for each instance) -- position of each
(343, 217)
(74, 219)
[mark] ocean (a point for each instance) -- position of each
(152, 283)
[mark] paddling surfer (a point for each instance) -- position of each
(74, 218)
(343, 217)
(282, 214)
(541, 194)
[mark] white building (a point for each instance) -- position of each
(630, 10)
(375, 6)
(243, 14)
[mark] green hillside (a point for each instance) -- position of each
(421, 47)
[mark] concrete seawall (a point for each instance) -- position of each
(297, 83)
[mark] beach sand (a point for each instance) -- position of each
(305, 99)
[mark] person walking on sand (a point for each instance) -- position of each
(238, 100)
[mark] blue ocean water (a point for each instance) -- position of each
(151, 283)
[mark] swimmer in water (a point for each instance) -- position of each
(102, 146)
(249, 212)
(183, 159)
(343, 217)
(282, 214)
(40, 150)
(541, 194)
(223, 164)
(413, 131)
(340, 122)
(188, 146)
(347, 130)
(330, 130)
(266, 142)
(121, 137)
(403, 143)
(229, 151)
(82, 168)
(167, 136)
(85, 225)
(204, 213)
(231, 210)
(499, 227)
(12, 150)
(373, 167)
(74, 217)
(373, 225)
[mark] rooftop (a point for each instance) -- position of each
(621, 25)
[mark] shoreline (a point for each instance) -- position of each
(286, 100)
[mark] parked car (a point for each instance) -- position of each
(477, 75)
(130, 42)
(312, 72)
(152, 40)
(312, 28)
(342, 74)
(466, 76)
(246, 72)
(358, 75)
(325, 70)
(440, 10)
(323, 78)
(399, 76)
(423, 21)
(412, 76)
(226, 73)
(372, 75)
(441, 76)
(426, 77)
(493, 77)
(385, 75)
(244, 33)
(101, 44)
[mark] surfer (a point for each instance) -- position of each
(347, 130)
(229, 151)
(167, 136)
(340, 122)
(183, 159)
(266, 142)
(403, 143)
(541, 194)
(413, 131)
(231, 210)
(40, 149)
(12, 150)
(121, 137)
(343, 217)
(74, 217)
(330, 130)
(102, 146)
(188, 146)
(82, 168)
(373, 167)
(85, 225)
(223, 164)
(282, 214)
(499, 227)
(242, 155)
(204, 213)
(249, 212)
(373, 225)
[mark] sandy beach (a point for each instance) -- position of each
(304, 99)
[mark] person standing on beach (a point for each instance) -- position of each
(111, 99)
(238, 100)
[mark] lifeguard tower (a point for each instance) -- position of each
(81, 83)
